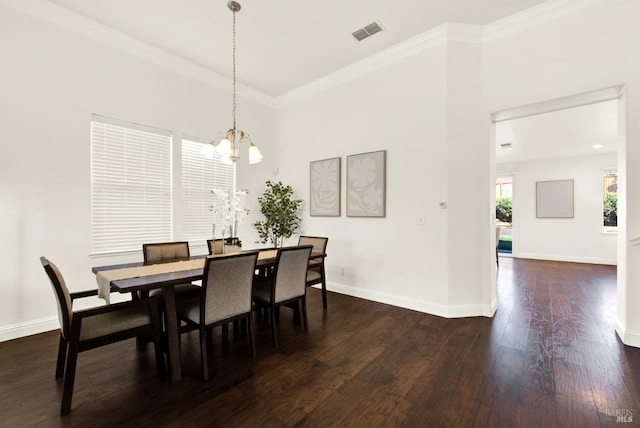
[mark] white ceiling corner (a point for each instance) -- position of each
(284, 45)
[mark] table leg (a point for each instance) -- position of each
(173, 334)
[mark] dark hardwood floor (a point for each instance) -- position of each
(549, 357)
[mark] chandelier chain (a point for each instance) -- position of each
(234, 72)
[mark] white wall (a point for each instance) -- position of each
(412, 108)
(51, 81)
(577, 239)
(399, 108)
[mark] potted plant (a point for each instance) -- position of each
(280, 213)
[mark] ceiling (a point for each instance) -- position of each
(564, 133)
(283, 44)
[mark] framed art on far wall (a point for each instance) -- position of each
(324, 193)
(366, 184)
(554, 199)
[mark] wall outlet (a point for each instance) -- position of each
(443, 205)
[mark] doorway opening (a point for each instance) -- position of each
(536, 151)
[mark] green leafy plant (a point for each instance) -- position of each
(280, 213)
(504, 210)
(610, 209)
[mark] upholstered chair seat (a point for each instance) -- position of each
(313, 276)
(113, 322)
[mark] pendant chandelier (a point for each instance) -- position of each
(229, 146)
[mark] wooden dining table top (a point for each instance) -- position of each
(266, 258)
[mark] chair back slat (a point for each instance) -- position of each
(291, 272)
(216, 246)
(63, 297)
(227, 285)
(319, 243)
(165, 251)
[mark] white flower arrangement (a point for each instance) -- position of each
(230, 211)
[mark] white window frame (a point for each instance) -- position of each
(131, 185)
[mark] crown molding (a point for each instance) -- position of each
(427, 40)
(448, 32)
(47, 11)
(547, 11)
(465, 33)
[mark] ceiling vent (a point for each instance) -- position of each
(505, 145)
(368, 30)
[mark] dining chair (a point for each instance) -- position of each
(316, 272)
(287, 286)
(216, 246)
(169, 252)
(226, 296)
(85, 329)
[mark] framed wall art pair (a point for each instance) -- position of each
(365, 187)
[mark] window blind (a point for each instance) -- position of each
(130, 185)
(200, 175)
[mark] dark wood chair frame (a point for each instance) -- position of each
(205, 329)
(319, 267)
(273, 307)
(70, 343)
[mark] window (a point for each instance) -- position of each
(130, 185)
(199, 177)
(504, 188)
(610, 201)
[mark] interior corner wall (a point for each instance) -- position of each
(591, 48)
(53, 79)
(579, 239)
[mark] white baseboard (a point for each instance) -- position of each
(573, 259)
(444, 311)
(629, 338)
(15, 331)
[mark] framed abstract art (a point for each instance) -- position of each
(324, 194)
(366, 184)
(554, 199)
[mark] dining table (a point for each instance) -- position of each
(139, 276)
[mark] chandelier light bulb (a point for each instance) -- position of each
(224, 147)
